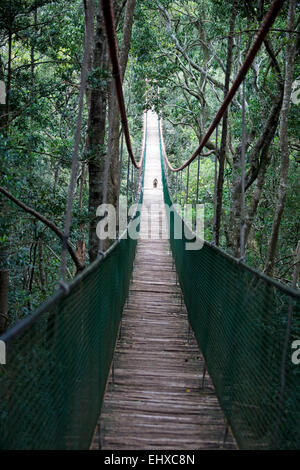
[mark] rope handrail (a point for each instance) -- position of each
(260, 37)
(167, 161)
(112, 42)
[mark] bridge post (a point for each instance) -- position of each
(113, 373)
(204, 373)
(127, 183)
(180, 188)
(187, 184)
(120, 330)
(215, 187)
(188, 331)
(99, 436)
(198, 175)
(120, 180)
(226, 432)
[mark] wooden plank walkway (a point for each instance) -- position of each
(155, 399)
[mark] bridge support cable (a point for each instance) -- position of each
(215, 186)
(120, 179)
(112, 42)
(259, 39)
(187, 184)
(127, 183)
(198, 177)
(242, 165)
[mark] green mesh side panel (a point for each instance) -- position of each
(58, 359)
(239, 318)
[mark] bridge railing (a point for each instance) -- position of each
(58, 359)
(245, 324)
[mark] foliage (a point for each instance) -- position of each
(41, 46)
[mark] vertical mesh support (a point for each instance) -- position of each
(239, 318)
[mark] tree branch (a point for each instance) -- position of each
(45, 221)
(182, 51)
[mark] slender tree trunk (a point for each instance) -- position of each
(98, 187)
(259, 160)
(4, 286)
(222, 152)
(33, 262)
(8, 81)
(32, 49)
(4, 244)
(96, 136)
(80, 245)
(283, 137)
(296, 266)
(41, 265)
(4, 209)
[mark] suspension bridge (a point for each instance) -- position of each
(154, 346)
(155, 397)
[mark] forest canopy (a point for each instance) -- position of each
(178, 58)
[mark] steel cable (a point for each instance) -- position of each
(112, 42)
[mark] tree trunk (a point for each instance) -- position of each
(4, 209)
(32, 48)
(259, 160)
(98, 187)
(222, 152)
(80, 251)
(283, 137)
(4, 286)
(296, 266)
(41, 265)
(9, 63)
(96, 135)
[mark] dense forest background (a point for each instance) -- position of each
(180, 57)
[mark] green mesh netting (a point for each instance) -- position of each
(239, 318)
(58, 359)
